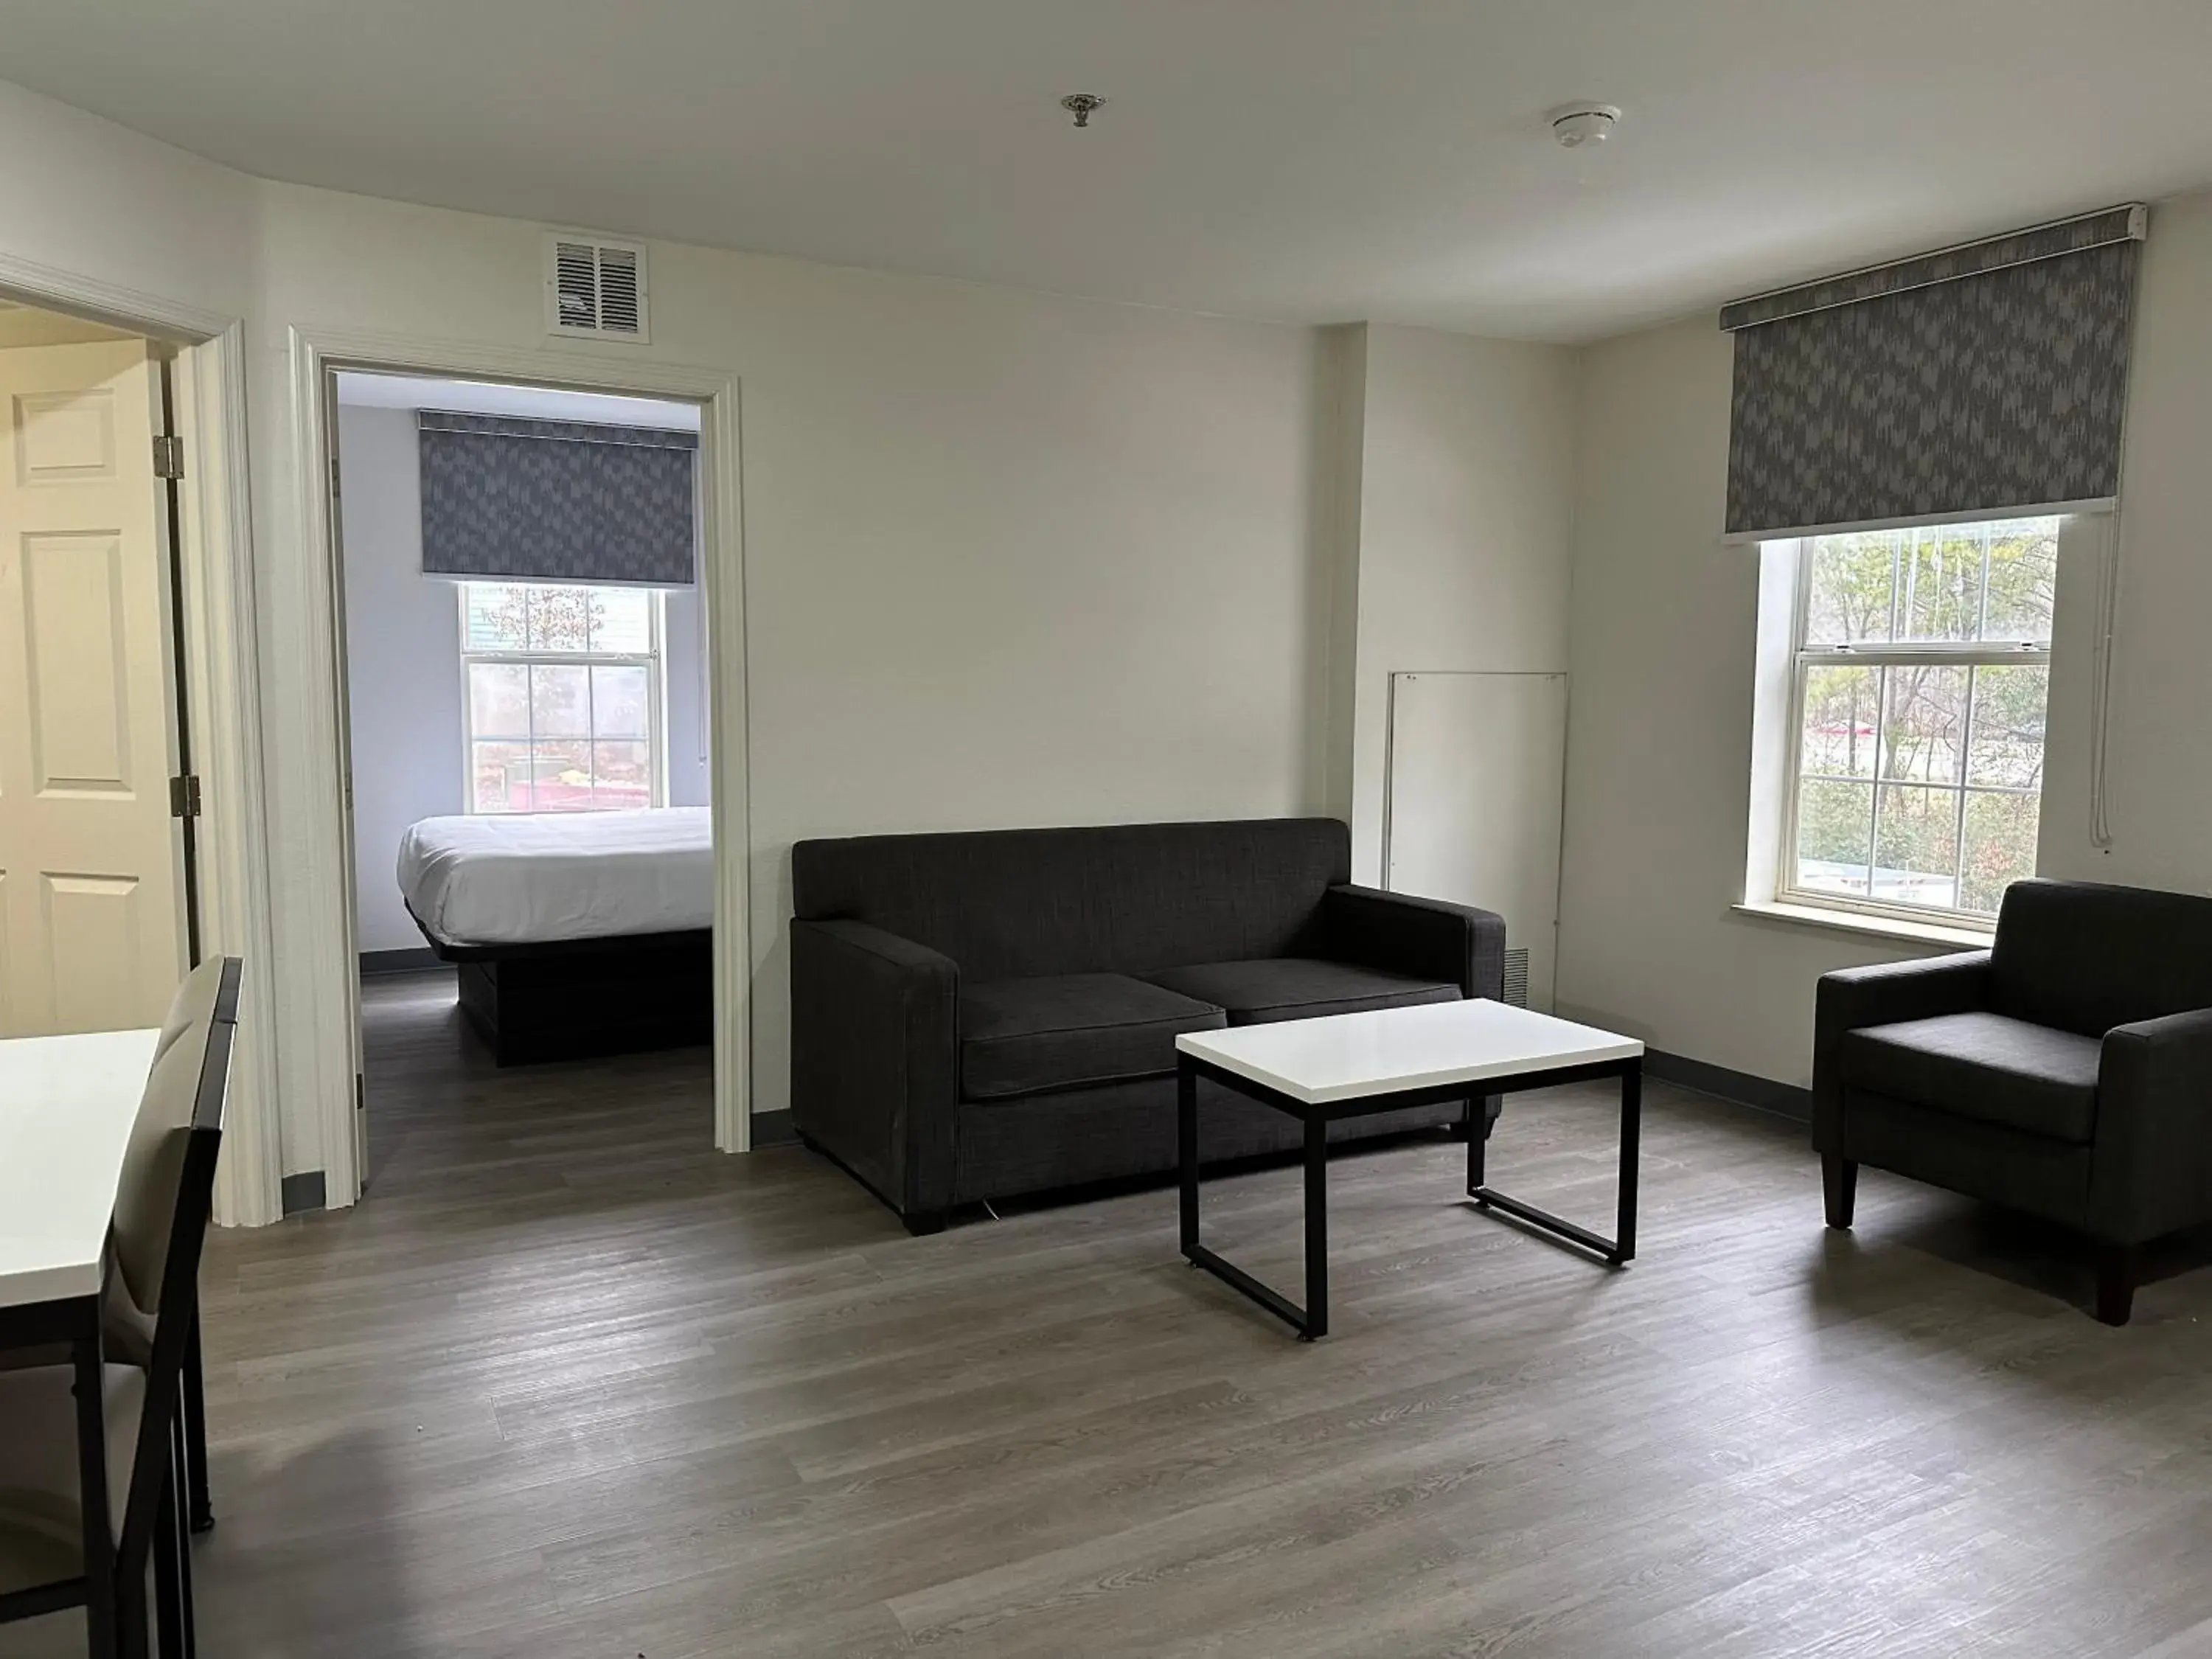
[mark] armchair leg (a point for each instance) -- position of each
(2118, 1265)
(922, 1222)
(1839, 1182)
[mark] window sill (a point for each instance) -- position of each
(1853, 921)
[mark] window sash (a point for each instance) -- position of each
(655, 738)
(1877, 655)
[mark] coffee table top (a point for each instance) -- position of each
(1383, 1050)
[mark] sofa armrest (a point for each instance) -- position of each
(1884, 994)
(1425, 938)
(875, 1059)
(2151, 1163)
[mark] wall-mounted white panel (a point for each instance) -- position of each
(1476, 780)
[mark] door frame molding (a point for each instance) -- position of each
(222, 685)
(315, 727)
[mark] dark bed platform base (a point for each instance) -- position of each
(574, 998)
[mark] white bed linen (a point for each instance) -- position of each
(531, 879)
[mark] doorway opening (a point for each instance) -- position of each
(526, 686)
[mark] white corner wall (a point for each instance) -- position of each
(1458, 515)
(1659, 737)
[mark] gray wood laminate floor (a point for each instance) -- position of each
(570, 1383)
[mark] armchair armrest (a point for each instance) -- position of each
(2151, 1163)
(875, 1060)
(1427, 937)
(1884, 994)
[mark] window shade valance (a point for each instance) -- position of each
(506, 500)
(1977, 381)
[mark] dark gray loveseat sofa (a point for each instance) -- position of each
(2066, 1072)
(977, 1015)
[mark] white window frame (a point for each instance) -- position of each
(653, 659)
(1804, 657)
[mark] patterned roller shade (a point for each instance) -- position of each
(1983, 380)
(555, 501)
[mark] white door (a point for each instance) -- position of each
(92, 931)
(1476, 784)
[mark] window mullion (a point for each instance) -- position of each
(530, 704)
(1958, 819)
(1873, 795)
(1982, 617)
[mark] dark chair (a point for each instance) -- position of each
(2066, 1072)
(975, 1016)
(163, 1198)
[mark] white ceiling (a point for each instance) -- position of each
(366, 391)
(1312, 159)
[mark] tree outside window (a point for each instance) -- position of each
(562, 699)
(1923, 675)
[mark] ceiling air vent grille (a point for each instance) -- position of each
(594, 288)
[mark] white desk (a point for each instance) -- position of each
(1384, 1059)
(66, 1108)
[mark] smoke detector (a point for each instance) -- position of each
(1577, 124)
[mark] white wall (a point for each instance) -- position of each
(1659, 729)
(81, 195)
(1010, 559)
(1662, 631)
(403, 663)
(1463, 493)
(2159, 766)
(403, 660)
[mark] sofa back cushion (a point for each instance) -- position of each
(2086, 958)
(1121, 899)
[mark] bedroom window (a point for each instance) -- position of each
(562, 703)
(1921, 675)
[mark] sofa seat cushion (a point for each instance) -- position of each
(2034, 1079)
(1298, 987)
(1023, 1036)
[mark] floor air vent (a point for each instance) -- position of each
(1517, 977)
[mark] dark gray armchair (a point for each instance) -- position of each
(2066, 1072)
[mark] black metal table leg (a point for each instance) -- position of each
(1316, 1319)
(1187, 1153)
(1631, 1129)
(1312, 1320)
(1186, 1076)
(1619, 1250)
(199, 1509)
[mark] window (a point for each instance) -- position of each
(1922, 671)
(562, 697)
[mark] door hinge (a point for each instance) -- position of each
(334, 478)
(168, 456)
(185, 796)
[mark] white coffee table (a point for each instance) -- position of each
(1352, 1065)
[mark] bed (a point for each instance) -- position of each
(575, 934)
